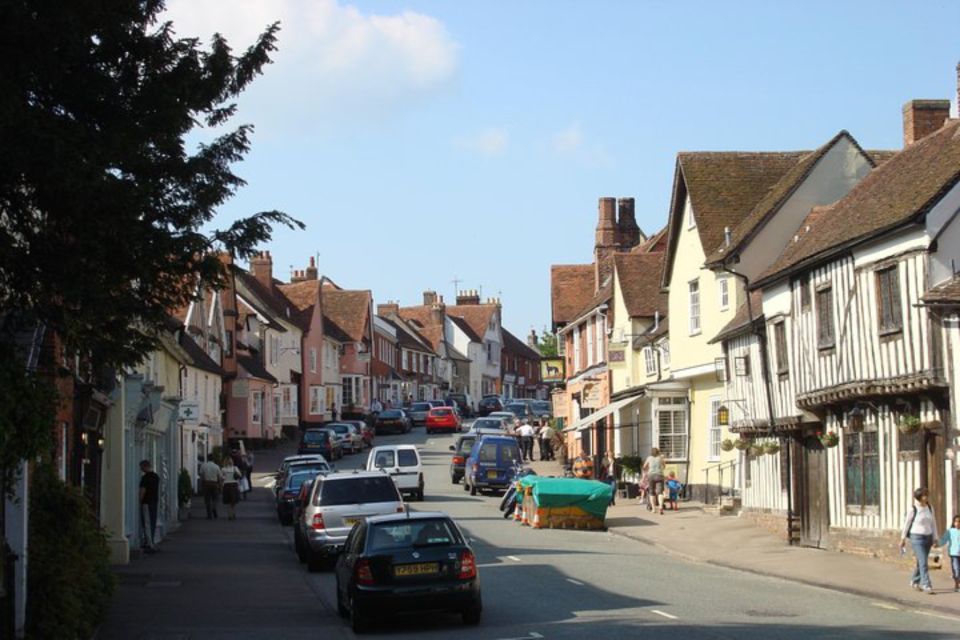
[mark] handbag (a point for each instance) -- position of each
(244, 485)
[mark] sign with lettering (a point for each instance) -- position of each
(616, 357)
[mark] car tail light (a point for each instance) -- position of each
(468, 565)
(365, 575)
(318, 522)
(457, 459)
(399, 509)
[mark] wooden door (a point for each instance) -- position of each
(934, 444)
(813, 505)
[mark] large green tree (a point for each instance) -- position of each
(106, 212)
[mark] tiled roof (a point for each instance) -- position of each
(333, 330)
(253, 366)
(880, 156)
(723, 188)
(466, 328)
(639, 277)
(655, 243)
(897, 192)
(571, 287)
(476, 315)
(513, 344)
(407, 336)
(349, 309)
(945, 293)
(601, 296)
(271, 297)
(198, 356)
(740, 323)
(774, 198)
(303, 297)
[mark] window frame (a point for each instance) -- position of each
(714, 430)
(825, 312)
(866, 504)
(693, 289)
(677, 408)
(887, 279)
(723, 292)
(780, 347)
(649, 361)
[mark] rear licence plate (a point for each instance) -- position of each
(350, 521)
(420, 569)
(492, 474)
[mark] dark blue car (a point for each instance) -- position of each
(490, 464)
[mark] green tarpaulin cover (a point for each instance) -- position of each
(590, 495)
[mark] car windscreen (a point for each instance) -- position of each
(441, 412)
(314, 436)
(391, 413)
(407, 457)
(485, 423)
(357, 490)
(388, 536)
(340, 428)
(384, 459)
(298, 478)
(508, 452)
(519, 409)
(465, 445)
(313, 467)
(420, 406)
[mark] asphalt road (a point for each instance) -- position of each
(575, 584)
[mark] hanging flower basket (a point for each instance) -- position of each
(829, 439)
(741, 444)
(756, 449)
(909, 424)
(771, 448)
(727, 444)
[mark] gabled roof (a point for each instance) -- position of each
(654, 244)
(303, 296)
(571, 287)
(476, 315)
(723, 188)
(334, 331)
(254, 367)
(407, 336)
(270, 298)
(899, 192)
(602, 296)
(466, 328)
(199, 357)
(740, 323)
(775, 198)
(639, 277)
(513, 344)
(350, 310)
(946, 293)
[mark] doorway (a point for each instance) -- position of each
(813, 503)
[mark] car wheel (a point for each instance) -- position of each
(357, 623)
(420, 494)
(471, 616)
(315, 562)
(454, 479)
(341, 608)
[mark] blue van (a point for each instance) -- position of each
(490, 464)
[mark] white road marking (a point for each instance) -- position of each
(884, 605)
(533, 636)
(514, 558)
(576, 582)
(665, 615)
(491, 564)
(936, 615)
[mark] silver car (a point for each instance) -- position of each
(333, 505)
(349, 436)
(418, 412)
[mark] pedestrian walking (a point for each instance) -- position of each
(249, 459)
(654, 466)
(547, 434)
(608, 475)
(951, 538)
(526, 433)
(230, 479)
(210, 477)
(674, 487)
(920, 528)
(333, 412)
(149, 501)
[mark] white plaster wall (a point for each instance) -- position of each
(838, 171)
(915, 238)
(776, 299)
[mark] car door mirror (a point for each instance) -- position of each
(452, 448)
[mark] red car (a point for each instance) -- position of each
(443, 419)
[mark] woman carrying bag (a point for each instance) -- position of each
(920, 528)
(230, 477)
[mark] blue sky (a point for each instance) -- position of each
(423, 141)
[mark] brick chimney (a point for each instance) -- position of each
(429, 297)
(388, 308)
(438, 312)
(468, 297)
(607, 239)
(311, 272)
(630, 235)
(923, 117)
(297, 276)
(261, 267)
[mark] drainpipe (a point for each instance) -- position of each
(768, 387)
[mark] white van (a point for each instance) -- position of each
(402, 462)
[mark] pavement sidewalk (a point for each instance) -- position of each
(735, 543)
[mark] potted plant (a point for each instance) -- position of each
(741, 444)
(756, 449)
(727, 444)
(909, 424)
(184, 492)
(771, 448)
(828, 439)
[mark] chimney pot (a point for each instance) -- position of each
(629, 232)
(923, 117)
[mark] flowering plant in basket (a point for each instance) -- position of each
(741, 444)
(771, 448)
(727, 444)
(828, 439)
(756, 449)
(909, 424)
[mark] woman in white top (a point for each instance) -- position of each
(654, 468)
(230, 476)
(920, 527)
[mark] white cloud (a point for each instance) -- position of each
(568, 139)
(331, 58)
(489, 142)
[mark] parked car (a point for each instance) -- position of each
(418, 412)
(510, 420)
(463, 402)
(349, 437)
(402, 462)
(394, 420)
(364, 429)
(443, 419)
(320, 440)
(288, 494)
(317, 465)
(298, 458)
(520, 409)
(460, 452)
(490, 425)
(542, 409)
(407, 562)
(334, 504)
(488, 405)
(490, 463)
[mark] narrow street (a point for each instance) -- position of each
(240, 580)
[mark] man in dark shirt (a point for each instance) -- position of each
(149, 499)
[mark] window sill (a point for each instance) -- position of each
(826, 349)
(695, 333)
(890, 334)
